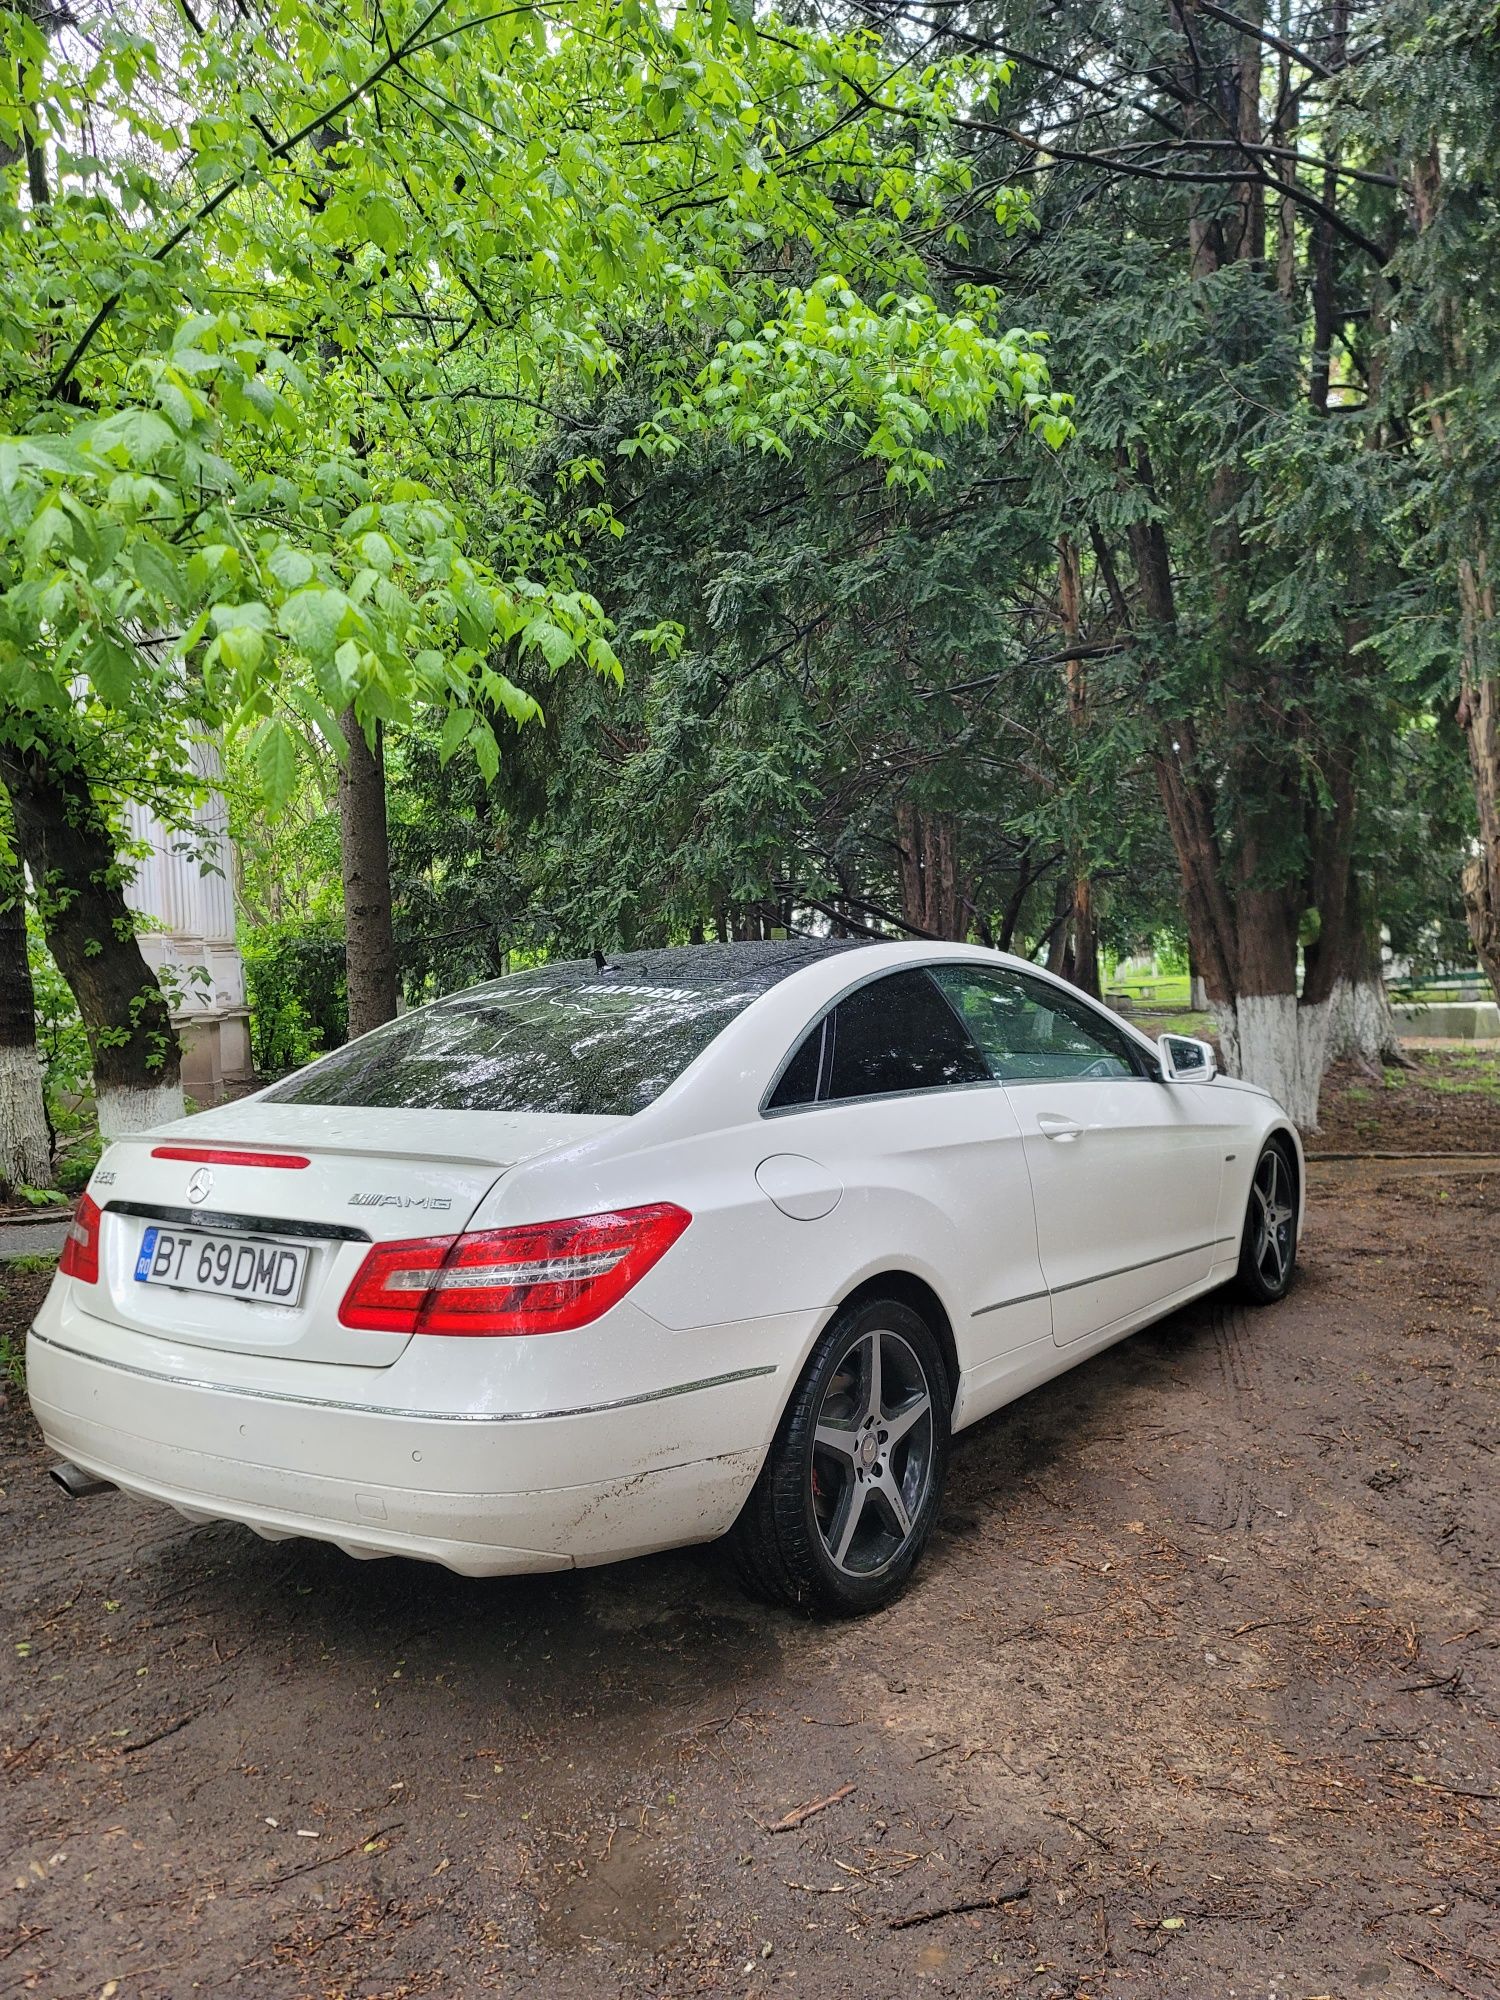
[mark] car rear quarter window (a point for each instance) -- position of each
(798, 1082)
(898, 1034)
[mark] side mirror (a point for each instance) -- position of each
(1186, 1060)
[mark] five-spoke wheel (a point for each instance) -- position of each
(848, 1494)
(1268, 1250)
(872, 1452)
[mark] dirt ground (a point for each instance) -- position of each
(1196, 1694)
(1447, 1101)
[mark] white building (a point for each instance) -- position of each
(184, 893)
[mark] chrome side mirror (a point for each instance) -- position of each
(1184, 1059)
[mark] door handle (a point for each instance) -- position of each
(1053, 1125)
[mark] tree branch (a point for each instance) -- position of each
(323, 119)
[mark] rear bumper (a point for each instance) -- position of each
(485, 1494)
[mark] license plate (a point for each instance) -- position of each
(241, 1267)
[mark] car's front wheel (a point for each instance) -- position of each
(850, 1488)
(1268, 1249)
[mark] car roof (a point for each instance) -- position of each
(755, 965)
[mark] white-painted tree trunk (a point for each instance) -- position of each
(123, 1111)
(1361, 1024)
(1276, 1041)
(25, 1143)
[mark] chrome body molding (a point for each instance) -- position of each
(388, 1410)
(1103, 1277)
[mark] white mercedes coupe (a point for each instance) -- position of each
(610, 1256)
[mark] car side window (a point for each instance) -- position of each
(798, 1082)
(1030, 1031)
(897, 1034)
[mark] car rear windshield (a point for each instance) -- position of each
(562, 1038)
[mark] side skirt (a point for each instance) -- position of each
(1008, 1376)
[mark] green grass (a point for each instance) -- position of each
(1457, 1086)
(1151, 1022)
(20, 1295)
(1167, 989)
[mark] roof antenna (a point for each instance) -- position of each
(601, 963)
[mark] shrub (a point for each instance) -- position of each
(294, 983)
(77, 1163)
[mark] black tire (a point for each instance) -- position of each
(786, 1543)
(1268, 1248)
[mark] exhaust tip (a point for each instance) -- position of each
(78, 1484)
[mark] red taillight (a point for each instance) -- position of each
(390, 1286)
(219, 1156)
(80, 1251)
(546, 1277)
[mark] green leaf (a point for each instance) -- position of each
(486, 750)
(383, 222)
(158, 575)
(313, 620)
(555, 645)
(276, 761)
(50, 527)
(292, 568)
(377, 552)
(240, 617)
(456, 725)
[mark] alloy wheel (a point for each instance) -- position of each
(872, 1452)
(1275, 1215)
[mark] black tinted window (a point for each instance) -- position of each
(798, 1083)
(564, 1037)
(1031, 1031)
(899, 1033)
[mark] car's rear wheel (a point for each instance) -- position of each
(846, 1499)
(1268, 1249)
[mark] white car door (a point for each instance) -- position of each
(889, 1098)
(1125, 1169)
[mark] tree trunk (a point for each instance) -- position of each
(1362, 1023)
(25, 1142)
(1242, 939)
(1479, 689)
(933, 903)
(1057, 936)
(1324, 271)
(66, 843)
(1479, 715)
(370, 943)
(1081, 961)
(1273, 1039)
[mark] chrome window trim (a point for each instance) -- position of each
(886, 1097)
(1147, 1071)
(1143, 1068)
(825, 1014)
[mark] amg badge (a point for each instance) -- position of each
(434, 1201)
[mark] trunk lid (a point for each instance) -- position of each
(371, 1175)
